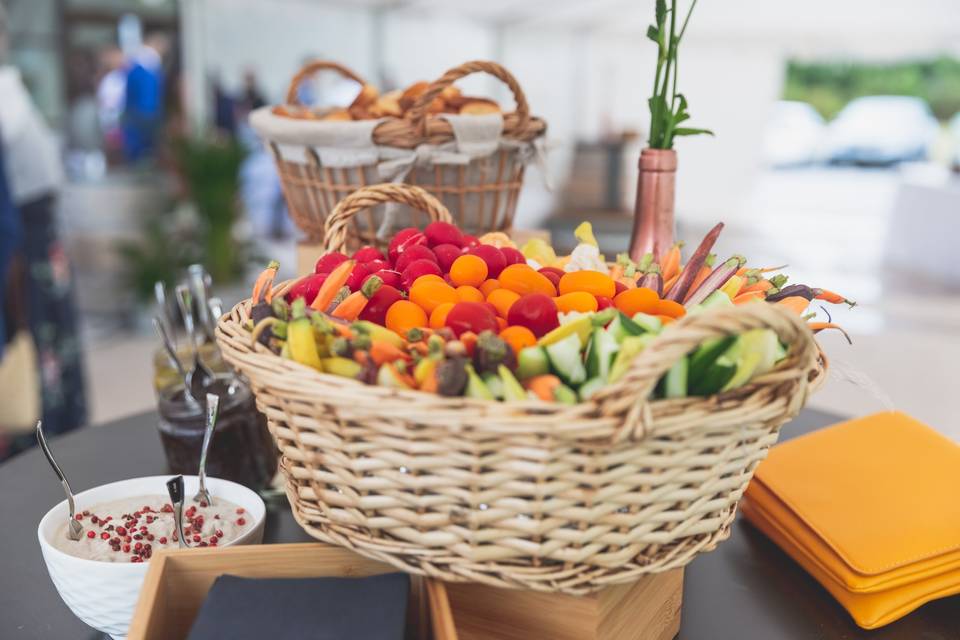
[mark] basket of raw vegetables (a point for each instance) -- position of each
(471, 410)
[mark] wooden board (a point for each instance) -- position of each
(178, 581)
(645, 610)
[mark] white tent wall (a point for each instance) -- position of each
(586, 67)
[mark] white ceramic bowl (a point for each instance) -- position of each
(104, 594)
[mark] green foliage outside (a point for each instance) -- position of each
(829, 86)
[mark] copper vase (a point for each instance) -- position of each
(653, 212)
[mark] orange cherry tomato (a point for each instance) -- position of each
(438, 318)
(430, 293)
(404, 315)
(468, 269)
(502, 300)
(518, 337)
(595, 282)
(636, 300)
(488, 286)
(522, 279)
(466, 293)
(576, 301)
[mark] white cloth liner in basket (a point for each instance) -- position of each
(349, 144)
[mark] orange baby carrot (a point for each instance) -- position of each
(543, 386)
(817, 327)
(833, 298)
(333, 283)
(670, 262)
(382, 351)
(761, 286)
(264, 283)
(749, 296)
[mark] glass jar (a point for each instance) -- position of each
(241, 448)
(165, 376)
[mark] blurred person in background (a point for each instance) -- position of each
(111, 97)
(144, 98)
(34, 173)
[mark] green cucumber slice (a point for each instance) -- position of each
(566, 360)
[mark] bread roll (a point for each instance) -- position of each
(479, 107)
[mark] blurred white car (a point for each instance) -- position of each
(793, 135)
(881, 130)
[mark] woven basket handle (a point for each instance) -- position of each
(311, 68)
(418, 112)
(338, 222)
(630, 396)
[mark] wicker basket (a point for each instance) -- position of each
(483, 192)
(525, 494)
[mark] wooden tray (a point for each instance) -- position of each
(178, 581)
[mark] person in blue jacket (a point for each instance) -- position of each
(10, 238)
(143, 110)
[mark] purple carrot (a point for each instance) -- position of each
(801, 290)
(679, 290)
(717, 278)
(652, 279)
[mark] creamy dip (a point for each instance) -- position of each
(131, 529)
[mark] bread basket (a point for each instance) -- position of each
(321, 162)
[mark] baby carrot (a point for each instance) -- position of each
(748, 296)
(797, 304)
(264, 283)
(670, 262)
(761, 286)
(382, 351)
(817, 327)
(668, 284)
(353, 304)
(833, 298)
(330, 287)
(543, 386)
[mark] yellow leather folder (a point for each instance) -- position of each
(870, 508)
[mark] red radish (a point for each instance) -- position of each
(379, 302)
(603, 302)
(471, 316)
(389, 276)
(404, 239)
(446, 254)
(513, 256)
(469, 240)
(329, 261)
(494, 258)
(551, 274)
(535, 311)
(357, 276)
(443, 233)
(416, 269)
(619, 287)
(556, 270)
(368, 254)
(376, 265)
(307, 287)
(416, 252)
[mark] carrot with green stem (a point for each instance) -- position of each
(670, 261)
(263, 286)
(685, 283)
(382, 351)
(330, 287)
(833, 298)
(748, 296)
(351, 306)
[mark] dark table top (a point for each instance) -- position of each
(745, 589)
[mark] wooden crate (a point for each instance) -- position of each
(645, 610)
(178, 581)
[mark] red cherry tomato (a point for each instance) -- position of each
(535, 311)
(471, 316)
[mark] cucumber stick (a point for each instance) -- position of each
(565, 359)
(630, 347)
(600, 353)
(705, 355)
(590, 387)
(675, 382)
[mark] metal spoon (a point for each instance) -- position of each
(74, 528)
(174, 360)
(197, 278)
(175, 490)
(213, 408)
(200, 377)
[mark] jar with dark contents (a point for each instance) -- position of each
(241, 448)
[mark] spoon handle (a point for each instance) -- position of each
(175, 490)
(185, 302)
(168, 347)
(42, 440)
(213, 408)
